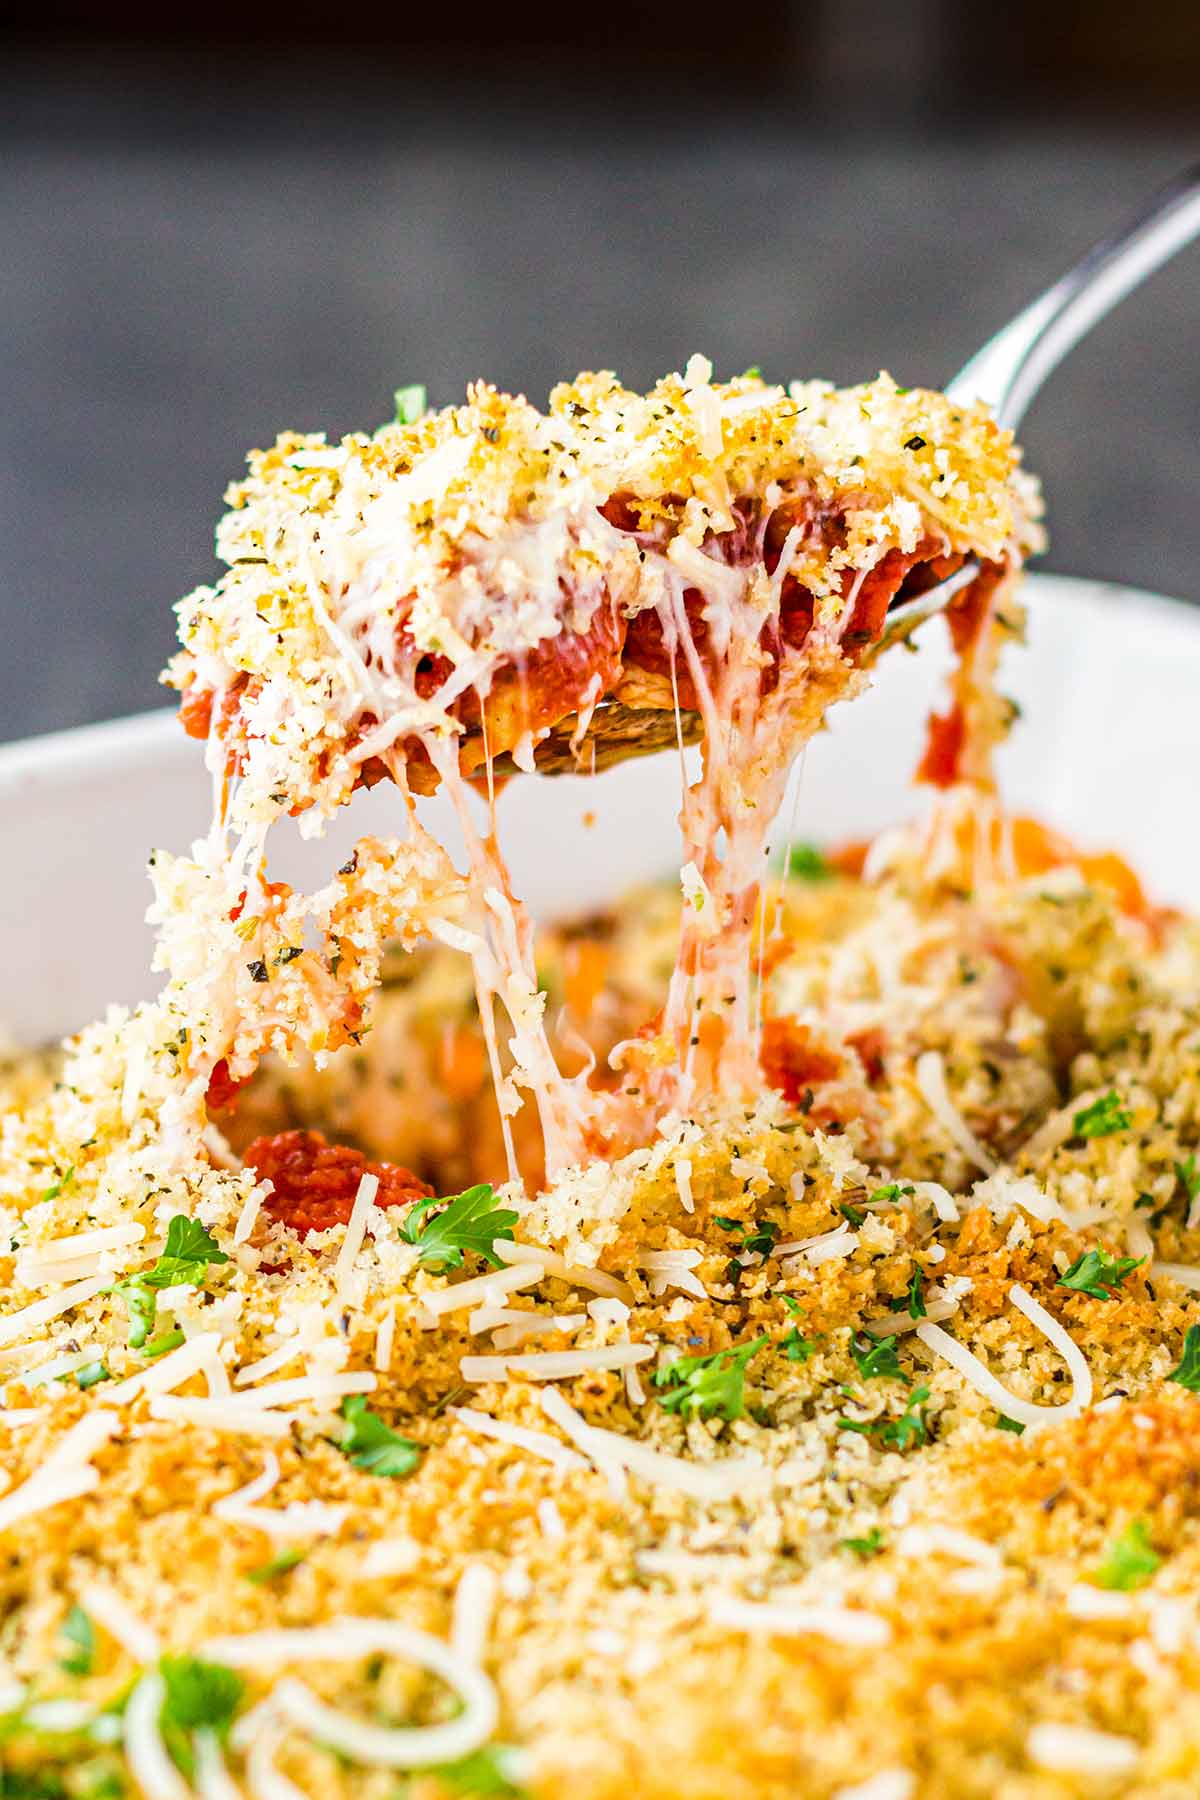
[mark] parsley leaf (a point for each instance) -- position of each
(892, 1190)
(56, 1187)
(708, 1386)
(199, 1696)
(871, 1545)
(489, 1771)
(470, 1222)
(805, 863)
(1102, 1118)
(1188, 1372)
(1130, 1560)
(189, 1249)
(78, 1633)
(372, 1445)
(1004, 1423)
(757, 1239)
(876, 1359)
(411, 403)
(278, 1565)
(1098, 1274)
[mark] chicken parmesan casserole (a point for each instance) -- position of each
(743, 1343)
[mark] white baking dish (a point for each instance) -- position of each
(1110, 689)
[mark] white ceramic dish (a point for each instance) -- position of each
(1110, 734)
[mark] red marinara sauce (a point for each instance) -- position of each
(315, 1182)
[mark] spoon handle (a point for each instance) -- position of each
(1012, 366)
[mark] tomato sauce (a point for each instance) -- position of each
(314, 1182)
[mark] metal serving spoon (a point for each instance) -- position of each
(1006, 373)
(1010, 369)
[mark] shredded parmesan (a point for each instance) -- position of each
(1078, 1750)
(538, 1443)
(931, 1080)
(482, 1290)
(356, 1231)
(351, 1639)
(1026, 1412)
(149, 1760)
(553, 1365)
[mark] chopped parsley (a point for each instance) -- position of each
(411, 403)
(200, 1696)
(56, 1187)
(710, 1386)
(804, 862)
(896, 1434)
(492, 1770)
(1098, 1274)
(795, 1346)
(165, 1341)
(372, 1445)
(892, 1190)
(753, 373)
(911, 1427)
(871, 1545)
(853, 1215)
(1188, 1372)
(916, 1300)
(1130, 1560)
(1102, 1118)
(79, 1637)
(876, 1359)
(278, 1565)
(470, 1222)
(757, 1239)
(1004, 1423)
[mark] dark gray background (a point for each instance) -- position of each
(185, 268)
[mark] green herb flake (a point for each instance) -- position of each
(1102, 1118)
(1188, 1373)
(57, 1187)
(188, 1251)
(876, 1359)
(891, 1191)
(911, 1427)
(1004, 1423)
(804, 862)
(165, 1342)
(282, 1564)
(412, 403)
(1130, 1561)
(871, 1545)
(1099, 1275)
(470, 1222)
(372, 1445)
(79, 1637)
(753, 373)
(710, 1386)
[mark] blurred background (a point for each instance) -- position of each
(214, 227)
